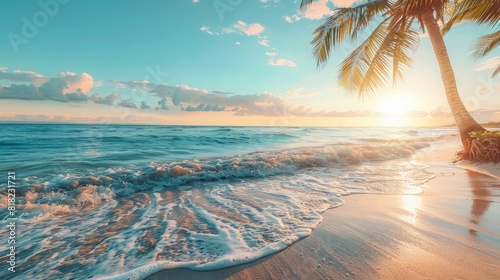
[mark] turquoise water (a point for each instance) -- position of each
(125, 201)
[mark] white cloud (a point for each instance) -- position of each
(206, 29)
(343, 3)
(266, 104)
(252, 29)
(491, 63)
(227, 30)
(281, 62)
(127, 103)
(67, 87)
(186, 87)
(22, 76)
(196, 1)
(299, 93)
(238, 43)
(42, 117)
(106, 100)
(291, 18)
(75, 82)
(129, 118)
(317, 10)
(294, 92)
(240, 27)
(264, 42)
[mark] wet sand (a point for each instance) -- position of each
(451, 231)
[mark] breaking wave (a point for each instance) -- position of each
(126, 201)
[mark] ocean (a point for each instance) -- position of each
(125, 201)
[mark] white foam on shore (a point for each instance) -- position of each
(223, 212)
(291, 212)
(227, 261)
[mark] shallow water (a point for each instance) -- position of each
(125, 201)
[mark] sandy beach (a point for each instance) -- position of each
(450, 231)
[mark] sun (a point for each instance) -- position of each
(396, 105)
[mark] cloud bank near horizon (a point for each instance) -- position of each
(69, 87)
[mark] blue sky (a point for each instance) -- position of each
(209, 62)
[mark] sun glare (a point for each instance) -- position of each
(394, 121)
(396, 105)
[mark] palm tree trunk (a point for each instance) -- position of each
(463, 119)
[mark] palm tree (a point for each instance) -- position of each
(482, 12)
(386, 52)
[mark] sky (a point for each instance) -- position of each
(212, 62)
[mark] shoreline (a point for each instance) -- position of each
(441, 233)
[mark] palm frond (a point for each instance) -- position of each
(479, 11)
(486, 44)
(384, 54)
(449, 9)
(496, 72)
(305, 3)
(346, 24)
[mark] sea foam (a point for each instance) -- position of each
(127, 222)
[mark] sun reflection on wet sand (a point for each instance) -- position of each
(412, 204)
